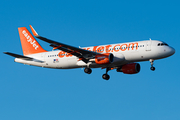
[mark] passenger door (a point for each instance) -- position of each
(148, 45)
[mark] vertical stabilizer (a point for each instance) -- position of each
(29, 43)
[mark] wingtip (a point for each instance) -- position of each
(33, 31)
(5, 52)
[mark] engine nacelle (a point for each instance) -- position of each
(131, 68)
(106, 58)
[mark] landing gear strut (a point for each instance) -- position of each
(152, 67)
(106, 76)
(88, 70)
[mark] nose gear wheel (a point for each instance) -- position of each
(152, 67)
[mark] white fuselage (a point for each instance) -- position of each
(123, 53)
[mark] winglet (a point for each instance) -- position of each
(33, 31)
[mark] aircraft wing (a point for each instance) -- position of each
(23, 57)
(84, 55)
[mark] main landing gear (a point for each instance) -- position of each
(106, 76)
(88, 70)
(152, 67)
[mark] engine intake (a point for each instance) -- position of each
(131, 68)
(106, 58)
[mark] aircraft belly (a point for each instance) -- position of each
(131, 56)
(30, 62)
(67, 63)
(141, 55)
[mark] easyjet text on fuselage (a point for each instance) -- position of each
(106, 49)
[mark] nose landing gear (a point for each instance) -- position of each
(152, 67)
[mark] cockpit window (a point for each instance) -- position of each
(163, 44)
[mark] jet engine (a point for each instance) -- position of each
(106, 58)
(131, 68)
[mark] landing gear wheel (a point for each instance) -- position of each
(153, 68)
(105, 76)
(151, 61)
(88, 70)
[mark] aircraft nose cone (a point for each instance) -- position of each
(171, 51)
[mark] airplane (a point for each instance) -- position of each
(120, 56)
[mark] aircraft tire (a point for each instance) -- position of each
(88, 70)
(105, 76)
(153, 68)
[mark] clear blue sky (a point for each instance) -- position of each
(34, 93)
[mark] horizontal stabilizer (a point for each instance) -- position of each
(17, 56)
(23, 57)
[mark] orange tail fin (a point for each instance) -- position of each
(29, 43)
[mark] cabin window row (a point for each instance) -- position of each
(52, 55)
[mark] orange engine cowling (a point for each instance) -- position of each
(106, 58)
(131, 68)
